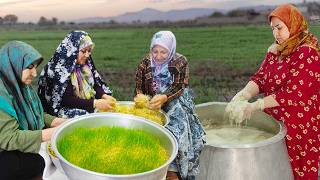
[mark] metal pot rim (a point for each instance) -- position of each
(278, 137)
(102, 114)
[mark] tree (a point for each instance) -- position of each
(237, 13)
(42, 21)
(251, 13)
(216, 14)
(10, 19)
(54, 21)
(112, 21)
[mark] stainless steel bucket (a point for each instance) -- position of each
(265, 160)
(115, 119)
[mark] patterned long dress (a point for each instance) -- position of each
(184, 122)
(294, 83)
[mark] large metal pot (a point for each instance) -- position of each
(115, 119)
(264, 160)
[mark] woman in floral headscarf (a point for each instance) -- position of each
(164, 75)
(21, 115)
(69, 84)
(289, 77)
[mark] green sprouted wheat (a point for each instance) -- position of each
(113, 150)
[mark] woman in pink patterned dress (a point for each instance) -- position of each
(289, 78)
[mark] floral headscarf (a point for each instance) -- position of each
(297, 27)
(55, 76)
(82, 77)
(16, 98)
(85, 42)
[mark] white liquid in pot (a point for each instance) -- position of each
(235, 135)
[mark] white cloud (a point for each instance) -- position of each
(14, 2)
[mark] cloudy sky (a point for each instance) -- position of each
(31, 10)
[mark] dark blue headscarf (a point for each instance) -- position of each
(55, 76)
(17, 99)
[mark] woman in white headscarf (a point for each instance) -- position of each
(164, 75)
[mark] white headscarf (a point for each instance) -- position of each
(167, 40)
(161, 76)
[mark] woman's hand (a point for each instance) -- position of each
(237, 111)
(141, 101)
(157, 101)
(110, 98)
(241, 96)
(273, 48)
(249, 91)
(252, 107)
(57, 121)
(140, 97)
(104, 104)
(47, 134)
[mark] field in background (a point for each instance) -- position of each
(221, 59)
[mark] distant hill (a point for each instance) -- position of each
(149, 14)
(260, 8)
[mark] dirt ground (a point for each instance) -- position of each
(223, 80)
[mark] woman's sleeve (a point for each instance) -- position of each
(180, 80)
(139, 78)
(304, 80)
(258, 76)
(48, 119)
(69, 100)
(99, 91)
(12, 138)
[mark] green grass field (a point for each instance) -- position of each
(220, 58)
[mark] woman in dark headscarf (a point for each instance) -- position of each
(290, 81)
(69, 84)
(164, 75)
(21, 114)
